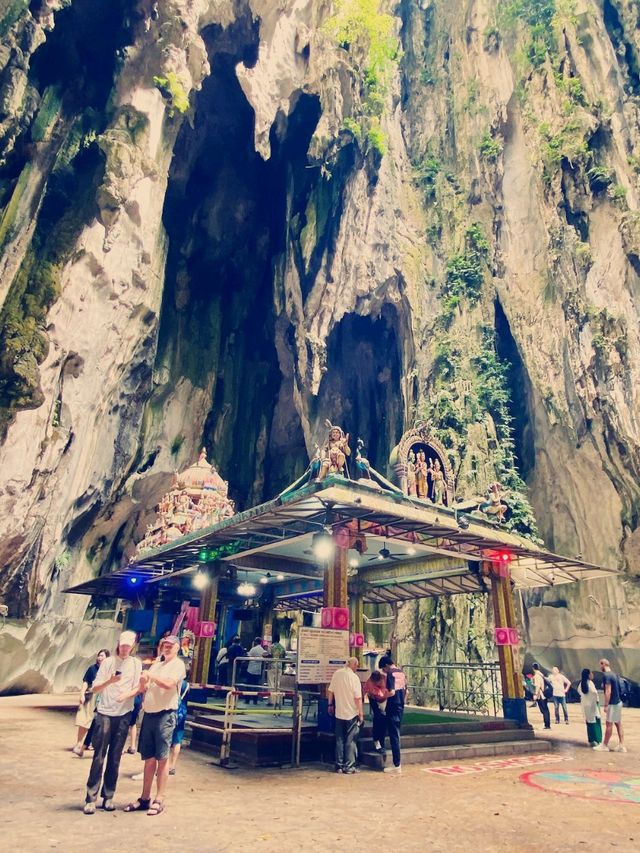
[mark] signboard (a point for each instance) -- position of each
(321, 651)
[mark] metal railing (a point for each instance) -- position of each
(469, 688)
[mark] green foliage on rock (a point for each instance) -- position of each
(539, 18)
(490, 148)
(173, 90)
(465, 270)
(368, 34)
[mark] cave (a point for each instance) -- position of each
(227, 214)
(361, 389)
(519, 394)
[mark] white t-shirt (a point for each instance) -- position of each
(130, 668)
(254, 667)
(538, 685)
(589, 703)
(346, 688)
(560, 683)
(158, 698)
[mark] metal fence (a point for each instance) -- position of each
(468, 688)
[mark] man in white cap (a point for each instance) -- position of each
(117, 682)
(161, 685)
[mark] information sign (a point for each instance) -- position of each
(321, 651)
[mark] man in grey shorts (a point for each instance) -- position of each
(161, 685)
(612, 708)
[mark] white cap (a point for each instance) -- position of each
(127, 638)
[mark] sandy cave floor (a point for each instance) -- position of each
(208, 809)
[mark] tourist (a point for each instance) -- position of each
(396, 685)
(178, 732)
(117, 682)
(235, 650)
(560, 684)
(345, 704)
(160, 685)
(277, 653)
(376, 689)
(87, 704)
(254, 667)
(590, 707)
(612, 708)
(222, 664)
(539, 694)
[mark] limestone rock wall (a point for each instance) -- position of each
(263, 214)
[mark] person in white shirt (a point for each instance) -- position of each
(118, 680)
(160, 685)
(254, 667)
(561, 685)
(345, 703)
(590, 707)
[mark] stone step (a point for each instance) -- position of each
(446, 738)
(426, 755)
(482, 724)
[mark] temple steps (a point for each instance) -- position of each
(457, 742)
(429, 754)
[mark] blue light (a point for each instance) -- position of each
(132, 581)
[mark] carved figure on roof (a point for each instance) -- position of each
(411, 473)
(334, 453)
(421, 475)
(495, 505)
(363, 472)
(438, 483)
(197, 499)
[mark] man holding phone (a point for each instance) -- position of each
(161, 685)
(117, 682)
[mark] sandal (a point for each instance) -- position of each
(131, 751)
(139, 806)
(108, 806)
(157, 807)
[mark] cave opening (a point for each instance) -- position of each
(226, 216)
(519, 394)
(361, 390)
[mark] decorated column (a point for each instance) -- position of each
(507, 639)
(356, 612)
(205, 637)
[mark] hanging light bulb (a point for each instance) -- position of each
(279, 577)
(201, 580)
(411, 550)
(322, 544)
(246, 590)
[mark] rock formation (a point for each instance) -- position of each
(225, 220)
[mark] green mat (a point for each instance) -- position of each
(415, 717)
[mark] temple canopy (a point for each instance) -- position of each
(410, 549)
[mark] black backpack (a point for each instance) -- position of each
(624, 688)
(548, 689)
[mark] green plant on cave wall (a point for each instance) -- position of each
(367, 33)
(469, 388)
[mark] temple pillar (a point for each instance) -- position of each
(204, 645)
(356, 613)
(335, 579)
(513, 701)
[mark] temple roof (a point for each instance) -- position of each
(430, 552)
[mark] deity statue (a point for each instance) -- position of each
(411, 473)
(495, 506)
(438, 483)
(421, 474)
(334, 453)
(364, 471)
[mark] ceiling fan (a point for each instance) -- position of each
(384, 554)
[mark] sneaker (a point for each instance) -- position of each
(621, 749)
(89, 808)
(138, 777)
(350, 771)
(601, 748)
(396, 770)
(339, 770)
